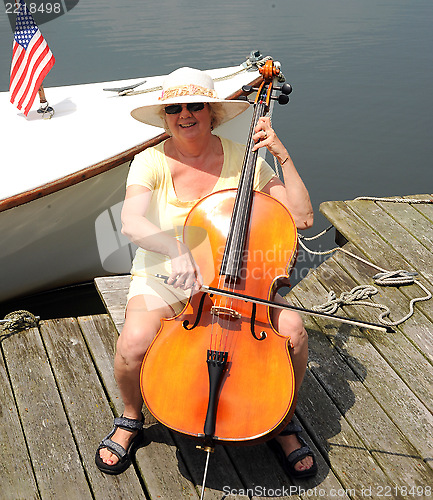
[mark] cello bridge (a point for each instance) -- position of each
(225, 311)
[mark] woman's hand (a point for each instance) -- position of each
(185, 272)
(265, 136)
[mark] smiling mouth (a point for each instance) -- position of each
(187, 125)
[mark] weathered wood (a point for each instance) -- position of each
(158, 462)
(378, 252)
(416, 219)
(15, 461)
(396, 348)
(389, 446)
(113, 291)
(261, 472)
(397, 237)
(86, 406)
(101, 337)
(54, 456)
(351, 462)
(220, 472)
(360, 234)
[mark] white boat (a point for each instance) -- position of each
(63, 179)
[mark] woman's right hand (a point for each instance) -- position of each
(185, 271)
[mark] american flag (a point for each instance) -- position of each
(31, 60)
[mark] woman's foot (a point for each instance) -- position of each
(115, 451)
(293, 452)
(291, 443)
(121, 437)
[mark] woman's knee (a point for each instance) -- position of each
(291, 325)
(136, 336)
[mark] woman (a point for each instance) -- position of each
(163, 184)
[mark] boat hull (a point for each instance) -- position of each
(52, 241)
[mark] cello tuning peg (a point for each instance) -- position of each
(244, 98)
(249, 88)
(283, 99)
(286, 89)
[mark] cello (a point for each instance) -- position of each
(222, 357)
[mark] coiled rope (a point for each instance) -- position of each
(359, 294)
(17, 321)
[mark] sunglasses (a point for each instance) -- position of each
(174, 109)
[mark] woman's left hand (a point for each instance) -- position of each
(265, 136)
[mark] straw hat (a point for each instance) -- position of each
(187, 85)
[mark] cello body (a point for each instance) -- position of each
(256, 392)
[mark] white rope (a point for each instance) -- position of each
(359, 293)
(246, 66)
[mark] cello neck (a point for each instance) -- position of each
(232, 262)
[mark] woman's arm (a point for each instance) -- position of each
(293, 193)
(135, 225)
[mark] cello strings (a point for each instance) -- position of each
(240, 221)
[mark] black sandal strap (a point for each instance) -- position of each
(129, 424)
(113, 447)
(298, 455)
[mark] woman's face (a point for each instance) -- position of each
(188, 124)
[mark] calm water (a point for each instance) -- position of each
(359, 121)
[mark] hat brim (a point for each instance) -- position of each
(151, 114)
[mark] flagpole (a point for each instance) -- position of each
(30, 30)
(41, 93)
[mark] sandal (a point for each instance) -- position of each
(289, 462)
(124, 456)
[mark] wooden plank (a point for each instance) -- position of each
(416, 330)
(414, 220)
(360, 234)
(425, 209)
(158, 462)
(222, 472)
(394, 395)
(350, 460)
(86, 406)
(101, 337)
(260, 471)
(397, 457)
(15, 460)
(54, 455)
(377, 251)
(411, 340)
(113, 291)
(396, 236)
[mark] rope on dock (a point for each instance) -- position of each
(17, 321)
(359, 293)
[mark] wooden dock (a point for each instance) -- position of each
(366, 403)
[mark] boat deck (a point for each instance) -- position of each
(366, 402)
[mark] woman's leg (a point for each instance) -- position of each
(289, 324)
(142, 322)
